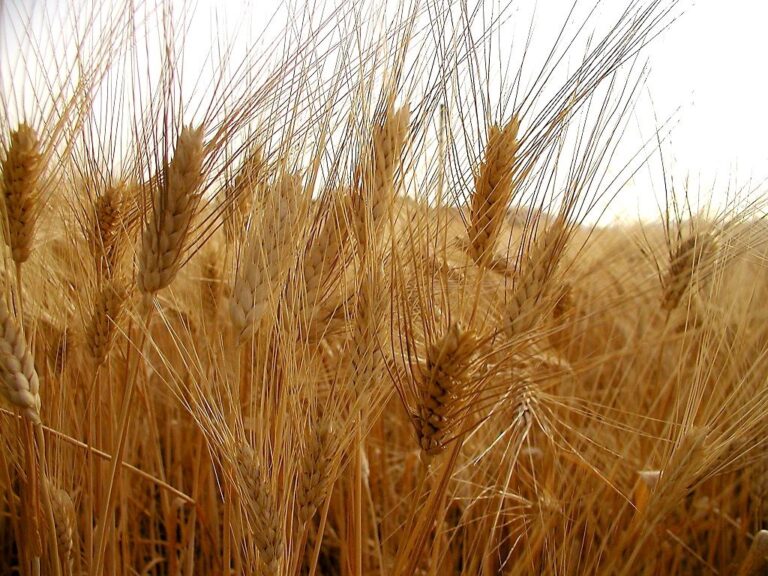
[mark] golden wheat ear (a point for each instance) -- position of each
(268, 258)
(525, 304)
(443, 376)
(314, 481)
(21, 172)
(107, 228)
(65, 520)
(493, 191)
(20, 384)
(685, 261)
(261, 505)
(173, 208)
(756, 562)
(240, 195)
(100, 332)
(374, 208)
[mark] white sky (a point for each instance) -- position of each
(709, 71)
(713, 64)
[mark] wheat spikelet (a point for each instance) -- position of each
(107, 227)
(375, 201)
(17, 368)
(493, 191)
(756, 562)
(314, 472)
(21, 172)
(100, 333)
(267, 259)
(442, 377)
(262, 508)
(530, 287)
(239, 196)
(682, 267)
(172, 211)
(65, 519)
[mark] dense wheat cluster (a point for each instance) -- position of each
(344, 305)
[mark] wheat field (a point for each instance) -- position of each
(346, 305)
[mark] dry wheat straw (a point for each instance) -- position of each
(17, 367)
(21, 173)
(268, 258)
(493, 191)
(172, 211)
(101, 330)
(443, 375)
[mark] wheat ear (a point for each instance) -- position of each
(21, 173)
(239, 196)
(387, 144)
(682, 267)
(100, 333)
(107, 227)
(262, 508)
(756, 561)
(211, 286)
(314, 475)
(268, 258)
(20, 382)
(322, 259)
(65, 519)
(442, 376)
(493, 191)
(523, 303)
(172, 211)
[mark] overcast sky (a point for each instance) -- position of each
(709, 71)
